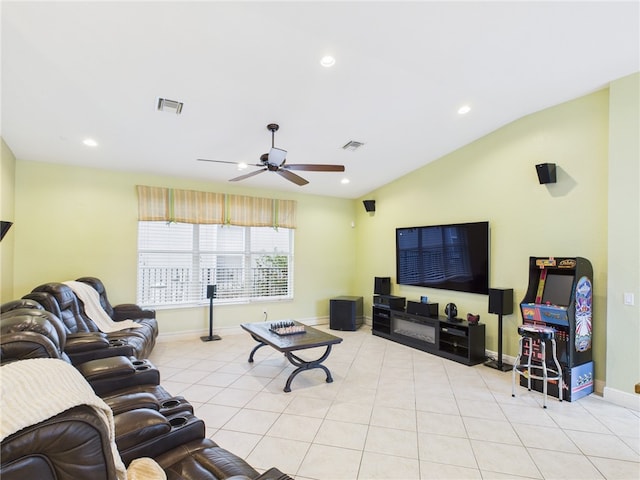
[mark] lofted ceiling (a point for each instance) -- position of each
(77, 70)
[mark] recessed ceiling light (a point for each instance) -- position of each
(344, 181)
(242, 166)
(328, 61)
(463, 110)
(90, 142)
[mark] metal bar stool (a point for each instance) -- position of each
(531, 369)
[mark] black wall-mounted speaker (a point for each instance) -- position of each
(211, 291)
(4, 228)
(382, 286)
(501, 301)
(546, 172)
(369, 205)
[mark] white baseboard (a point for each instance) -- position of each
(505, 358)
(623, 399)
(222, 331)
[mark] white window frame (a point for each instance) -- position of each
(167, 280)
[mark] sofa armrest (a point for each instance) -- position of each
(106, 368)
(130, 311)
(85, 342)
(106, 375)
(139, 426)
(132, 401)
(152, 440)
(273, 474)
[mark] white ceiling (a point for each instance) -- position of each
(72, 70)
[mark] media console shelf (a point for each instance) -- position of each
(456, 340)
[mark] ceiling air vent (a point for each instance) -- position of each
(352, 145)
(171, 106)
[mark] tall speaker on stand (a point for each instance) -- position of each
(501, 303)
(211, 294)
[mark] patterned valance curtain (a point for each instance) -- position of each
(190, 206)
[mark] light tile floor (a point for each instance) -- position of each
(393, 412)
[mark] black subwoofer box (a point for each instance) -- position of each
(345, 313)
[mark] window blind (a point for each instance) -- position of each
(176, 262)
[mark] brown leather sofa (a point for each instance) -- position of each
(84, 339)
(124, 383)
(78, 444)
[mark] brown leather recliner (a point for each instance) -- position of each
(74, 445)
(124, 311)
(148, 420)
(124, 383)
(120, 312)
(60, 300)
(79, 442)
(70, 446)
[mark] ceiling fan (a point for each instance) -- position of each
(274, 161)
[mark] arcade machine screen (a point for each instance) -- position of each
(557, 289)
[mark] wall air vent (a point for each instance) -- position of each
(352, 145)
(171, 106)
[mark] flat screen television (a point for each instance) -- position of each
(450, 257)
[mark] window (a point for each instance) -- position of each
(176, 262)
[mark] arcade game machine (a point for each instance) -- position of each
(560, 295)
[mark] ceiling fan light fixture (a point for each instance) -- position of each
(277, 156)
(352, 145)
(171, 106)
(327, 61)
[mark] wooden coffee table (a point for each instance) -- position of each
(287, 344)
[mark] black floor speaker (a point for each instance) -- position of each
(501, 301)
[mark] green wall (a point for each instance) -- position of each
(623, 328)
(494, 179)
(82, 221)
(7, 201)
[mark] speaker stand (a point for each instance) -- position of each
(497, 364)
(211, 335)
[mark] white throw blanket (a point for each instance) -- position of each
(93, 308)
(34, 390)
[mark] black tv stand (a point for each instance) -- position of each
(455, 339)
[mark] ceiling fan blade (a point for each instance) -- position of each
(292, 177)
(215, 161)
(247, 175)
(311, 167)
(277, 156)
